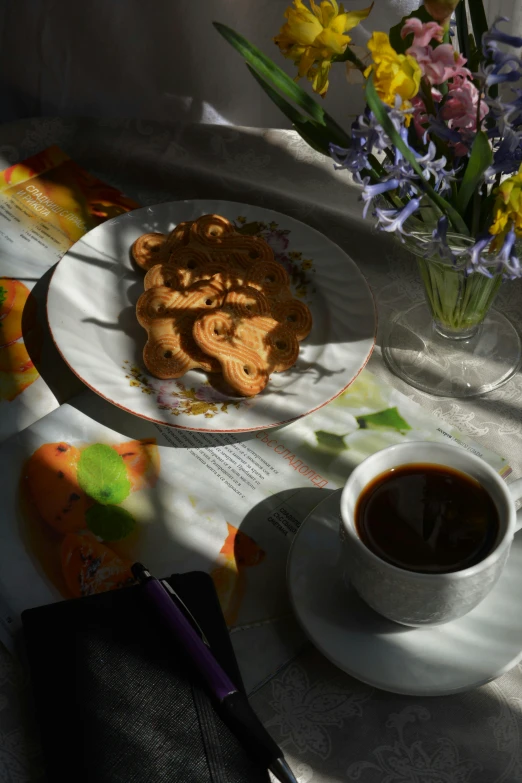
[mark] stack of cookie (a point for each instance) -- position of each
(217, 300)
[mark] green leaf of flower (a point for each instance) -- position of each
(102, 474)
(479, 21)
(389, 419)
(111, 523)
(461, 17)
(479, 160)
(315, 134)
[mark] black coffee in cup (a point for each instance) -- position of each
(427, 518)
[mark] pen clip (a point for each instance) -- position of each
(190, 617)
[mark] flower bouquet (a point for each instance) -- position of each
(437, 153)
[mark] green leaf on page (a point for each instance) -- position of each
(110, 523)
(102, 474)
(389, 419)
(330, 441)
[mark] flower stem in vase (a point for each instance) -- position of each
(453, 344)
(458, 302)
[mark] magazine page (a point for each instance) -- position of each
(47, 203)
(90, 489)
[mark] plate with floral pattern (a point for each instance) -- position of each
(91, 311)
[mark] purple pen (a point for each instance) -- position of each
(177, 618)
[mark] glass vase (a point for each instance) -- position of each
(453, 344)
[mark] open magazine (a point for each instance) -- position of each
(47, 203)
(89, 489)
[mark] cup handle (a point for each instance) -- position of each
(515, 490)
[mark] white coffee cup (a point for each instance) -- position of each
(418, 599)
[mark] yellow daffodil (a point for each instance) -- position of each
(507, 209)
(393, 74)
(311, 38)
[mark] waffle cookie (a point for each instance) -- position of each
(295, 315)
(218, 301)
(218, 240)
(190, 266)
(168, 316)
(148, 249)
(247, 342)
(153, 248)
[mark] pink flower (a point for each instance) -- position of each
(420, 116)
(437, 64)
(460, 107)
(460, 111)
(440, 64)
(422, 33)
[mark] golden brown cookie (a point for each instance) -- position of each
(168, 317)
(210, 229)
(271, 278)
(245, 301)
(154, 247)
(162, 275)
(217, 300)
(218, 239)
(249, 346)
(295, 315)
(179, 236)
(148, 249)
(189, 268)
(193, 264)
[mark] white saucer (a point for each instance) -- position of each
(436, 661)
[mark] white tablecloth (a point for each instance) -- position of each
(332, 728)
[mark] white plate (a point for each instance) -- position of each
(437, 661)
(91, 311)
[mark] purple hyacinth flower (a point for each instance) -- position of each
(354, 158)
(507, 260)
(475, 255)
(438, 245)
(391, 220)
(508, 155)
(502, 66)
(440, 130)
(494, 36)
(371, 191)
(494, 75)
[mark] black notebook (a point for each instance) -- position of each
(117, 703)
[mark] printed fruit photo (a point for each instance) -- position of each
(71, 498)
(17, 370)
